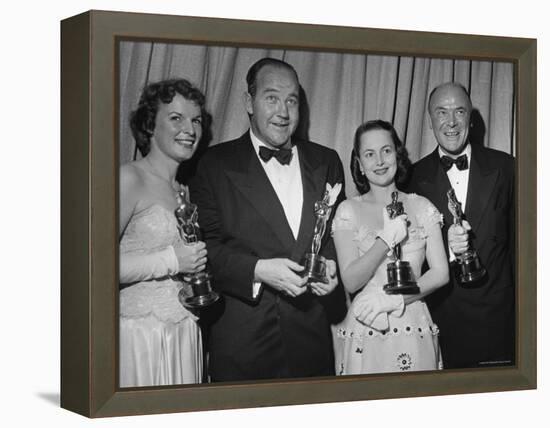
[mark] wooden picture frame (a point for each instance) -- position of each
(89, 237)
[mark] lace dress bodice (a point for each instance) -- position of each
(152, 229)
(149, 231)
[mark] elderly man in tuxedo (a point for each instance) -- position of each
(476, 320)
(256, 198)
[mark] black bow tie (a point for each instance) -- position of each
(282, 155)
(461, 162)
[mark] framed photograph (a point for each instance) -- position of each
(345, 77)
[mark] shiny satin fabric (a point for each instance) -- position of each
(154, 352)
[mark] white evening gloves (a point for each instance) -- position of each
(395, 230)
(142, 267)
(373, 308)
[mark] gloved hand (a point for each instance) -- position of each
(369, 306)
(395, 230)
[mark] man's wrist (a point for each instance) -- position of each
(257, 271)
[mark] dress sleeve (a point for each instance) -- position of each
(344, 218)
(429, 216)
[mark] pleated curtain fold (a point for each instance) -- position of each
(341, 90)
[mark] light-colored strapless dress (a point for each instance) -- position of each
(160, 341)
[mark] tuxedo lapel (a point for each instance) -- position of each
(313, 185)
(481, 184)
(250, 178)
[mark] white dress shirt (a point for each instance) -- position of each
(287, 183)
(459, 182)
(459, 179)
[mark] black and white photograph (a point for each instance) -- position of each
(238, 213)
(290, 214)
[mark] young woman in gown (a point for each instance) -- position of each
(160, 341)
(382, 332)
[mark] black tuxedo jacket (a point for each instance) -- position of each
(477, 325)
(272, 335)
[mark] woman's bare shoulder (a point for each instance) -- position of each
(131, 176)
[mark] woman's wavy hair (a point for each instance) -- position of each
(142, 120)
(403, 162)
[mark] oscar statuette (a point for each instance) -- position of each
(469, 265)
(315, 267)
(197, 290)
(399, 272)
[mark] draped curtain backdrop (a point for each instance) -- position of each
(341, 92)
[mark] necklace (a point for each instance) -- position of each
(176, 187)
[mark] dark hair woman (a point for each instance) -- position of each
(383, 332)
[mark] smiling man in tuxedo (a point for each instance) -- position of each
(476, 321)
(256, 198)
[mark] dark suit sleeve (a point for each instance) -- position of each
(233, 270)
(512, 220)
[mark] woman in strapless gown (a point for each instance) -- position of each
(384, 332)
(160, 341)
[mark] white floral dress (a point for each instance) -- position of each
(411, 341)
